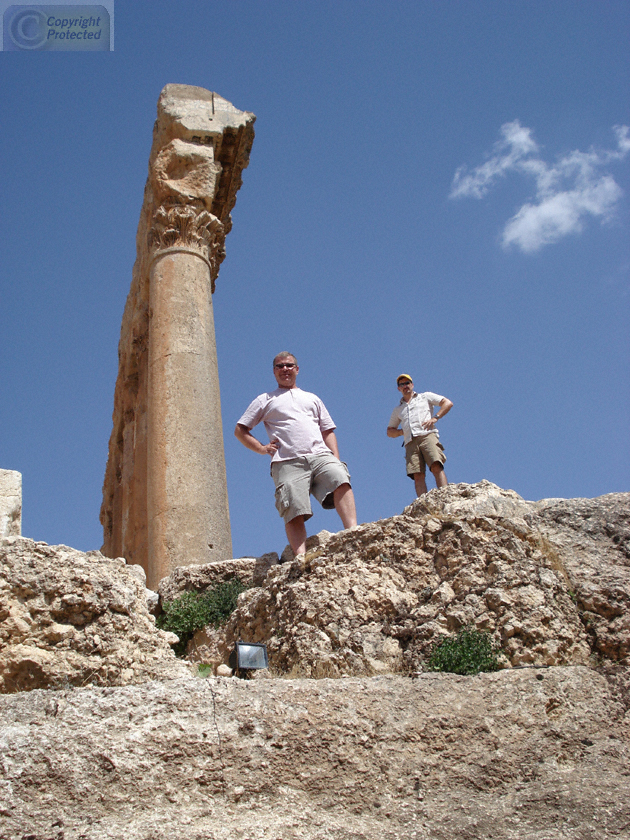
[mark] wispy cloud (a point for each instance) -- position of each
(567, 191)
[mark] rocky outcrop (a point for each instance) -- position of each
(69, 618)
(549, 580)
(141, 748)
(592, 537)
(516, 755)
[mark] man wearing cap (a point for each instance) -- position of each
(413, 418)
(304, 452)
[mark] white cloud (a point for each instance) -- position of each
(567, 192)
(515, 144)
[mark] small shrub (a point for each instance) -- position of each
(467, 653)
(191, 611)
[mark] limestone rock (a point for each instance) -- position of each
(375, 599)
(137, 571)
(521, 754)
(203, 648)
(312, 542)
(10, 503)
(153, 601)
(516, 755)
(591, 538)
(249, 570)
(69, 618)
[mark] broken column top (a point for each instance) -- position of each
(190, 110)
(193, 115)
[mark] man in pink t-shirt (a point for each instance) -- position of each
(304, 452)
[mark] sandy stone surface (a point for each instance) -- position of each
(531, 754)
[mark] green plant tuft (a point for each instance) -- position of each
(191, 611)
(467, 653)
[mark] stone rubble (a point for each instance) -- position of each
(549, 580)
(74, 618)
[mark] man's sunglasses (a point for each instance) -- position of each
(286, 365)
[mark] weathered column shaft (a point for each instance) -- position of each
(187, 503)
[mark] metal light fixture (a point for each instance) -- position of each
(248, 656)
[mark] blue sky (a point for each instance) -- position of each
(439, 188)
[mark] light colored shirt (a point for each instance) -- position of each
(292, 417)
(411, 415)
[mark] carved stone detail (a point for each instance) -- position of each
(192, 227)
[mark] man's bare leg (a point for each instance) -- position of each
(296, 534)
(345, 505)
(438, 473)
(421, 484)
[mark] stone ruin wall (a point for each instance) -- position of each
(10, 503)
(166, 466)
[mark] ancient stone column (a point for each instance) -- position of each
(165, 492)
(187, 501)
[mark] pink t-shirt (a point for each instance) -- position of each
(294, 418)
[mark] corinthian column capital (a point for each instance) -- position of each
(188, 227)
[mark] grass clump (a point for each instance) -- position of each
(191, 611)
(467, 653)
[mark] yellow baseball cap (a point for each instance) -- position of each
(403, 376)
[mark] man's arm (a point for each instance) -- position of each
(445, 407)
(393, 427)
(248, 440)
(330, 439)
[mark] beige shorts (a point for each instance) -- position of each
(297, 478)
(423, 450)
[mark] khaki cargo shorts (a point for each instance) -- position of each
(297, 478)
(423, 450)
